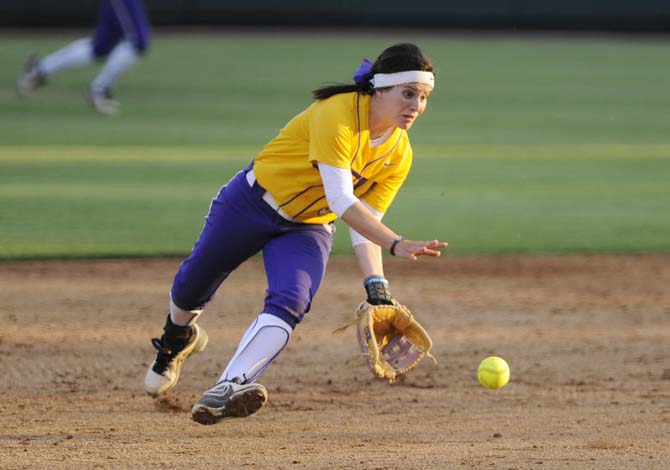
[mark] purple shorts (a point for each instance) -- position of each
(240, 224)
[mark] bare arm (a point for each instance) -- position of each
(361, 220)
(369, 258)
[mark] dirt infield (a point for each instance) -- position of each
(587, 339)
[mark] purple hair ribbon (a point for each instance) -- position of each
(362, 70)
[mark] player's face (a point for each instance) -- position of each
(402, 104)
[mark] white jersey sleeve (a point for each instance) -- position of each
(338, 187)
(339, 191)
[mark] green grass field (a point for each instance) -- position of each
(528, 145)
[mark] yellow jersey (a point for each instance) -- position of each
(333, 131)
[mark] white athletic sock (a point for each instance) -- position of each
(121, 57)
(181, 317)
(75, 54)
(260, 345)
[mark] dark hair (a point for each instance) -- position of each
(397, 58)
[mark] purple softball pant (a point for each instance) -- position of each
(240, 224)
(119, 19)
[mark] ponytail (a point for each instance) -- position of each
(332, 90)
(361, 84)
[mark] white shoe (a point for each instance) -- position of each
(32, 78)
(103, 102)
(229, 400)
(163, 374)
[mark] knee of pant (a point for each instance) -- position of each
(289, 308)
(183, 302)
(141, 44)
(285, 316)
(100, 51)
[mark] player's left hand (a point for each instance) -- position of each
(412, 249)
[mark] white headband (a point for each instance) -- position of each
(383, 80)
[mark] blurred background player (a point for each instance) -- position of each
(345, 156)
(121, 36)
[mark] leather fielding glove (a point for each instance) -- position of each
(391, 339)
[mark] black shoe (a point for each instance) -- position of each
(32, 78)
(163, 374)
(102, 101)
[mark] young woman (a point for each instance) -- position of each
(345, 156)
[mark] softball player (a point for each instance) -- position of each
(344, 156)
(121, 36)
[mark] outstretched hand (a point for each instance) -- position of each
(412, 249)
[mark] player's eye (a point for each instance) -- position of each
(409, 94)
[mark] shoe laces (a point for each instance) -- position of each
(108, 93)
(166, 354)
(32, 71)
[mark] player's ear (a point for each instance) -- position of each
(379, 91)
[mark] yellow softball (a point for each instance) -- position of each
(493, 372)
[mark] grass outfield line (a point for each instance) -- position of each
(67, 202)
(212, 153)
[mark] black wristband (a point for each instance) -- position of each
(378, 290)
(395, 243)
